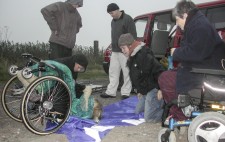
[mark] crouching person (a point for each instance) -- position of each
(84, 104)
(144, 72)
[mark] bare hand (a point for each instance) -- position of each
(139, 95)
(159, 95)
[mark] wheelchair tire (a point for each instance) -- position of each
(51, 102)
(207, 127)
(172, 137)
(11, 98)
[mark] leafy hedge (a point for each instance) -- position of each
(10, 53)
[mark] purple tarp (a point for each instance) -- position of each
(112, 116)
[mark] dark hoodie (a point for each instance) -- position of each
(70, 61)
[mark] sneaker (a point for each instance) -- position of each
(104, 95)
(123, 97)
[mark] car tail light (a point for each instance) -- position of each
(107, 54)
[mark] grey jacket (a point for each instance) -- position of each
(64, 19)
(125, 24)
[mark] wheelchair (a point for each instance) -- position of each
(205, 112)
(42, 103)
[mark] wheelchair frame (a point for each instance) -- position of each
(198, 119)
(52, 107)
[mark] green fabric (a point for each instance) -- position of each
(78, 105)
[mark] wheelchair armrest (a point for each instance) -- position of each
(208, 71)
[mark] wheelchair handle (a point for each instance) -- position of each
(208, 71)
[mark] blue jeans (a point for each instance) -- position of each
(151, 106)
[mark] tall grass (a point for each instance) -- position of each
(10, 54)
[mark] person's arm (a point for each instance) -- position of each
(145, 71)
(50, 13)
(79, 24)
(131, 28)
(135, 75)
(197, 47)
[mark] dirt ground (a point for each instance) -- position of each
(12, 131)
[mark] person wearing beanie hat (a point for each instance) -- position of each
(121, 23)
(64, 22)
(144, 72)
(112, 7)
(76, 63)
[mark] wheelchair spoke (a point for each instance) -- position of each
(11, 98)
(47, 114)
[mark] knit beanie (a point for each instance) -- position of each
(76, 2)
(112, 7)
(70, 61)
(125, 39)
(81, 60)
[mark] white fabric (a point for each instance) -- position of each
(133, 121)
(118, 61)
(93, 133)
(139, 47)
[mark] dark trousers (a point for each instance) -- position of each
(59, 51)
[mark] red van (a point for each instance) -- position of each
(155, 29)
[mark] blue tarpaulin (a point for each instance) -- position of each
(76, 128)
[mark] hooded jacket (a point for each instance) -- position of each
(144, 69)
(201, 47)
(65, 19)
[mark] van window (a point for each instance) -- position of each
(217, 17)
(163, 22)
(140, 27)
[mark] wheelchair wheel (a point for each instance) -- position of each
(207, 127)
(172, 137)
(11, 98)
(46, 105)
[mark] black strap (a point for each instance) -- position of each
(167, 109)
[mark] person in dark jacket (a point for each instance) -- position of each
(121, 24)
(64, 22)
(76, 63)
(200, 47)
(144, 72)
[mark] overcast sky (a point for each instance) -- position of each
(26, 24)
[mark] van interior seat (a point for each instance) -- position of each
(159, 42)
